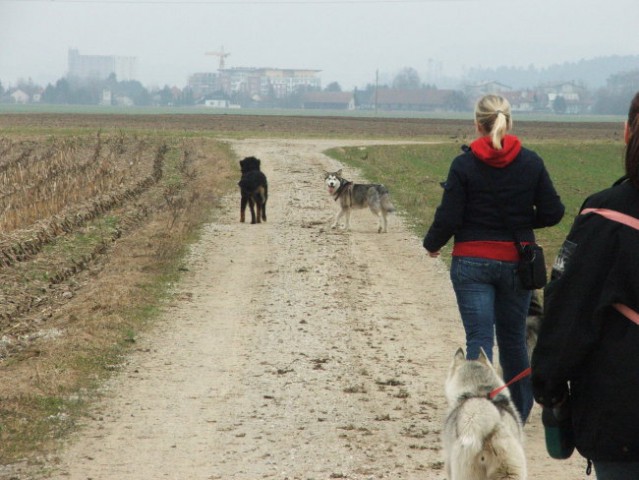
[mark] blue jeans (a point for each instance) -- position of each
(617, 470)
(492, 303)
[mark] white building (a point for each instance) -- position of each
(101, 66)
(268, 82)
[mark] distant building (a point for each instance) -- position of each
(204, 83)
(260, 83)
(525, 100)
(423, 99)
(574, 97)
(101, 66)
(19, 96)
(329, 100)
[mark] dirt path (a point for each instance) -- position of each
(291, 351)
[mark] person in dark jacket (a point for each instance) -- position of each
(588, 347)
(494, 177)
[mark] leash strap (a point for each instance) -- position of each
(615, 216)
(627, 312)
(628, 221)
(516, 378)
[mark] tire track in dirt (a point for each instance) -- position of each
(291, 351)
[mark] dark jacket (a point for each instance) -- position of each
(584, 340)
(468, 209)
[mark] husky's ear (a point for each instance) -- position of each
(483, 358)
(339, 173)
(459, 357)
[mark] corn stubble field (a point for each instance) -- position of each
(96, 212)
(92, 229)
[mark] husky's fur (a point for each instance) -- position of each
(533, 322)
(253, 190)
(482, 437)
(355, 195)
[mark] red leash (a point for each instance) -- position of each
(516, 378)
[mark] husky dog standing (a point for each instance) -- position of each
(482, 436)
(354, 195)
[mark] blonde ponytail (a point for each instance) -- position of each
(492, 114)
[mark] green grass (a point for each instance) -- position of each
(413, 174)
(303, 112)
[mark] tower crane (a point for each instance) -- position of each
(221, 54)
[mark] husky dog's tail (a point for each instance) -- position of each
(476, 422)
(385, 200)
(485, 442)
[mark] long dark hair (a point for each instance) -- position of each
(632, 149)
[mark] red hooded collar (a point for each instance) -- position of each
(484, 150)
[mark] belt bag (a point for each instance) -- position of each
(532, 266)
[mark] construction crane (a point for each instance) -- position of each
(221, 54)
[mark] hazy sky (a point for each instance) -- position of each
(348, 40)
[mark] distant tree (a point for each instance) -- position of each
(58, 93)
(135, 91)
(111, 81)
(84, 96)
(457, 102)
(333, 87)
(559, 104)
(187, 97)
(1, 89)
(166, 96)
(610, 102)
(624, 81)
(407, 78)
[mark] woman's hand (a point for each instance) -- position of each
(433, 254)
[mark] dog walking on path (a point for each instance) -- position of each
(352, 195)
(253, 190)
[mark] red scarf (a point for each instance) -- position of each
(484, 150)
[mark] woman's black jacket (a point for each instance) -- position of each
(469, 211)
(584, 340)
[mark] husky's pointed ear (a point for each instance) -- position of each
(459, 357)
(339, 173)
(483, 358)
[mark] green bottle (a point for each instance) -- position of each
(560, 436)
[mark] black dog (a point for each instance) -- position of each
(254, 189)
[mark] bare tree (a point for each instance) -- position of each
(407, 78)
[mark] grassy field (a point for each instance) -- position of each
(87, 263)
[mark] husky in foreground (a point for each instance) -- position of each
(355, 195)
(482, 437)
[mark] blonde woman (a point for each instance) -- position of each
(494, 177)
